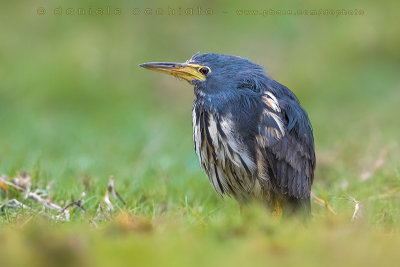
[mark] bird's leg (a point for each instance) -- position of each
(277, 210)
(242, 206)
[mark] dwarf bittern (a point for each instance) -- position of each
(252, 137)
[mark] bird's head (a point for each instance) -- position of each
(216, 77)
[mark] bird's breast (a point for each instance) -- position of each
(223, 153)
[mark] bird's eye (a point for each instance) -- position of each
(204, 70)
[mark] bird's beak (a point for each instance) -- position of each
(186, 71)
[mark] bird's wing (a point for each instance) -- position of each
(286, 141)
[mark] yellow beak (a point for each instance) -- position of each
(186, 71)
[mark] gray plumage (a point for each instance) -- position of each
(251, 135)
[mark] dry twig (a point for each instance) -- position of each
(23, 184)
(323, 203)
(111, 190)
(13, 204)
(357, 209)
(4, 180)
(75, 203)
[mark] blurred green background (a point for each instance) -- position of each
(75, 108)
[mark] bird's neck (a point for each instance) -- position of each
(210, 103)
(223, 103)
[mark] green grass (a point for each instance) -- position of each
(75, 109)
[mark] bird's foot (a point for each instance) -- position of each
(277, 213)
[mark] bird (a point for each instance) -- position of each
(252, 137)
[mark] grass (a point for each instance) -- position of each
(75, 109)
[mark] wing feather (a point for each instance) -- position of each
(286, 135)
